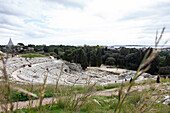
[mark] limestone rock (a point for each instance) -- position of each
(74, 66)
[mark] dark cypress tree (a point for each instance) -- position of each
(110, 61)
(102, 51)
(93, 58)
(154, 68)
(79, 56)
(99, 58)
(167, 60)
(84, 63)
(45, 49)
(68, 55)
(56, 51)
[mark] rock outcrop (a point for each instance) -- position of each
(131, 74)
(74, 66)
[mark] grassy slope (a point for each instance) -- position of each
(62, 90)
(107, 103)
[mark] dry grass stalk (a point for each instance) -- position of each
(84, 97)
(30, 98)
(56, 86)
(6, 85)
(6, 97)
(25, 91)
(146, 102)
(42, 91)
(144, 66)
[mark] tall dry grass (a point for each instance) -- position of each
(143, 67)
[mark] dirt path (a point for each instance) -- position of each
(111, 70)
(114, 91)
(107, 92)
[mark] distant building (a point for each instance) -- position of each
(30, 48)
(10, 44)
(20, 47)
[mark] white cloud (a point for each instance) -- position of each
(78, 22)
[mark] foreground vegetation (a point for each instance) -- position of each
(49, 90)
(93, 104)
(101, 104)
(63, 90)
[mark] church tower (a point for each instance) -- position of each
(10, 43)
(10, 46)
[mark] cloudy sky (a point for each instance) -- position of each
(79, 22)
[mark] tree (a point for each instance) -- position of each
(162, 61)
(116, 57)
(93, 58)
(105, 49)
(102, 52)
(51, 49)
(84, 63)
(31, 45)
(45, 49)
(121, 61)
(124, 51)
(167, 60)
(164, 70)
(154, 68)
(56, 51)
(99, 58)
(110, 61)
(130, 60)
(104, 57)
(20, 44)
(68, 55)
(79, 56)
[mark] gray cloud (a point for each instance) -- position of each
(162, 5)
(10, 20)
(34, 35)
(68, 3)
(155, 16)
(9, 27)
(10, 9)
(157, 24)
(160, 9)
(100, 16)
(137, 15)
(41, 20)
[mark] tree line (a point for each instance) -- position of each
(128, 58)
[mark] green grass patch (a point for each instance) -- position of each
(109, 86)
(49, 91)
(60, 91)
(151, 81)
(107, 104)
(32, 55)
(165, 80)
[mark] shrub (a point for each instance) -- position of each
(164, 70)
(110, 61)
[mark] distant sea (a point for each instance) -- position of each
(139, 46)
